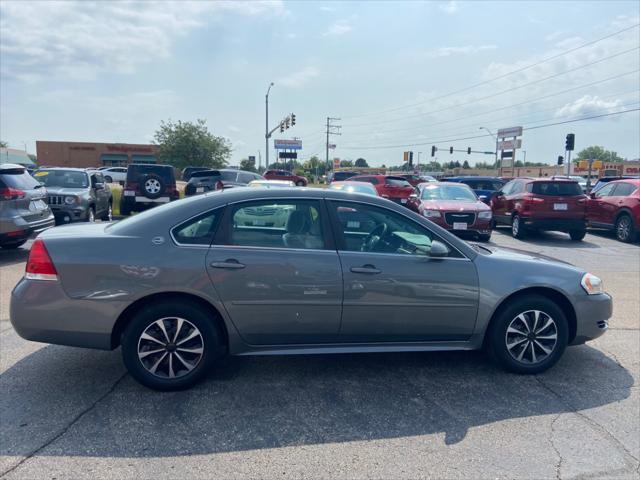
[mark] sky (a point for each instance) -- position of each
(399, 75)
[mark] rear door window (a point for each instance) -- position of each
(18, 179)
(605, 191)
(624, 189)
(199, 230)
(557, 189)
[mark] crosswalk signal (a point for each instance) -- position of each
(560, 159)
(468, 150)
(293, 119)
(450, 149)
(434, 149)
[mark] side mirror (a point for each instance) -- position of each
(438, 250)
(98, 186)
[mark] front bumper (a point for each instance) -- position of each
(69, 214)
(42, 312)
(592, 317)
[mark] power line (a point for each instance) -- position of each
(498, 77)
(487, 135)
(501, 92)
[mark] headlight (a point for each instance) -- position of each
(592, 284)
(70, 200)
(431, 213)
(485, 215)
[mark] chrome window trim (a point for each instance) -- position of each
(192, 245)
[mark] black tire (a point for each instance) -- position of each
(498, 337)
(577, 235)
(170, 311)
(152, 186)
(108, 179)
(517, 227)
(14, 245)
(624, 228)
(484, 238)
(108, 215)
(300, 183)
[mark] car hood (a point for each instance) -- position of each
(66, 191)
(454, 206)
(522, 255)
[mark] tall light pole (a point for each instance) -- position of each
(418, 166)
(524, 160)
(490, 133)
(266, 126)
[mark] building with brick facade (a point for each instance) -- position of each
(90, 154)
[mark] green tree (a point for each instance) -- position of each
(361, 163)
(182, 144)
(248, 165)
(465, 165)
(596, 152)
(4, 144)
(346, 163)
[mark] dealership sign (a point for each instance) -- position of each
(510, 132)
(510, 144)
(287, 144)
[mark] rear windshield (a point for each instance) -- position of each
(396, 182)
(343, 175)
(62, 178)
(555, 188)
(219, 175)
(135, 171)
(18, 178)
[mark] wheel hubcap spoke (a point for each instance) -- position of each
(531, 337)
(164, 354)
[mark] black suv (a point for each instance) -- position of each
(201, 182)
(147, 186)
(188, 171)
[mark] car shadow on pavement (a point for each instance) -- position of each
(552, 239)
(81, 403)
(11, 257)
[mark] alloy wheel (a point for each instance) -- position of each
(170, 347)
(152, 186)
(623, 229)
(531, 337)
(515, 226)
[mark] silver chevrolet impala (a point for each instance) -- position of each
(293, 271)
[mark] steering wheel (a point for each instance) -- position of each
(370, 241)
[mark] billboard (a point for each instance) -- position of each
(510, 132)
(287, 144)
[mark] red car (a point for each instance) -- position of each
(453, 206)
(616, 206)
(285, 175)
(394, 188)
(541, 204)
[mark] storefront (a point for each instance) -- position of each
(87, 154)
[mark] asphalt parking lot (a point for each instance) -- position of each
(74, 413)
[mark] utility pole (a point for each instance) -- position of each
(331, 130)
(267, 134)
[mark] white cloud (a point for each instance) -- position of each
(464, 50)
(587, 105)
(340, 27)
(233, 128)
(326, 8)
(299, 78)
(81, 39)
(450, 7)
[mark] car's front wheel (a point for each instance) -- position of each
(529, 335)
(170, 346)
(300, 183)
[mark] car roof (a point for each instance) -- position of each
(11, 166)
(473, 177)
(68, 169)
(633, 181)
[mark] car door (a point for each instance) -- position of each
(277, 272)
(597, 206)
(393, 292)
(499, 203)
(613, 202)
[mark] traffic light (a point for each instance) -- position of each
(281, 127)
(405, 156)
(560, 159)
(450, 149)
(286, 121)
(293, 119)
(570, 141)
(410, 159)
(433, 150)
(468, 150)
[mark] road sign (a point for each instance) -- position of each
(288, 154)
(597, 164)
(509, 144)
(332, 146)
(336, 163)
(280, 144)
(506, 155)
(510, 132)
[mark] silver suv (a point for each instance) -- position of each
(76, 194)
(23, 208)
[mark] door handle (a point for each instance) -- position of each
(370, 269)
(230, 264)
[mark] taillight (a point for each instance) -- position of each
(131, 185)
(532, 199)
(11, 193)
(40, 266)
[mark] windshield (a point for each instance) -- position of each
(448, 192)
(62, 178)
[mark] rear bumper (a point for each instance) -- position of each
(592, 317)
(42, 312)
(563, 225)
(19, 229)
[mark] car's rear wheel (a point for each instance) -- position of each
(170, 346)
(13, 245)
(108, 179)
(517, 228)
(529, 335)
(577, 235)
(300, 183)
(624, 228)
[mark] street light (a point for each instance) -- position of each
(491, 133)
(266, 125)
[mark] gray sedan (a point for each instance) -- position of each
(183, 284)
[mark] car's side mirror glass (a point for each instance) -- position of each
(98, 186)
(438, 250)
